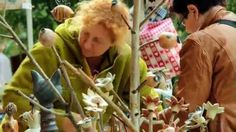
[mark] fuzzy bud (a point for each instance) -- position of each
(62, 12)
(47, 37)
(168, 40)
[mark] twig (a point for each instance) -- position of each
(19, 42)
(71, 117)
(100, 124)
(150, 14)
(121, 101)
(40, 106)
(120, 121)
(150, 124)
(72, 92)
(6, 36)
(4, 12)
(4, 25)
(149, 42)
(114, 2)
(172, 118)
(90, 82)
(130, 28)
(140, 87)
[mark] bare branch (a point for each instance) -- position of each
(19, 42)
(40, 106)
(6, 36)
(72, 92)
(90, 82)
(152, 41)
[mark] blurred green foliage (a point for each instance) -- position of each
(42, 18)
(18, 26)
(231, 5)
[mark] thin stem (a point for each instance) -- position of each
(90, 82)
(172, 118)
(4, 12)
(152, 41)
(19, 42)
(140, 87)
(126, 22)
(100, 124)
(125, 107)
(70, 116)
(120, 121)
(6, 36)
(130, 28)
(1, 22)
(150, 124)
(40, 106)
(72, 92)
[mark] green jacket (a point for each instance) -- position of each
(117, 63)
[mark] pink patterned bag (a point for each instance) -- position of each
(152, 53)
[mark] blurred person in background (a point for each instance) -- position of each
(208, 59)
(5, 69)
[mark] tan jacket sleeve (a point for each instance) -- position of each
(195, 77)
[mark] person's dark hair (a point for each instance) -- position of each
(180, 6)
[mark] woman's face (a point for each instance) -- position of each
(190, 23)
(192, 20)
(94, 41)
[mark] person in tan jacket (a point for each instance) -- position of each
(208, 59)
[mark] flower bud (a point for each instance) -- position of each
(168, 40)
(62, 12)
(47, 37)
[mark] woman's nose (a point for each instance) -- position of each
(88, 44)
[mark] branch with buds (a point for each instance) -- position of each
(4, 23)
(47, 38)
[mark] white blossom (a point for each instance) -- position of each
(212, 110)
(105, 82)
(93, 100)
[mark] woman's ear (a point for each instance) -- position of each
(193, 11)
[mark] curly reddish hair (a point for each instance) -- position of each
(94, 12)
